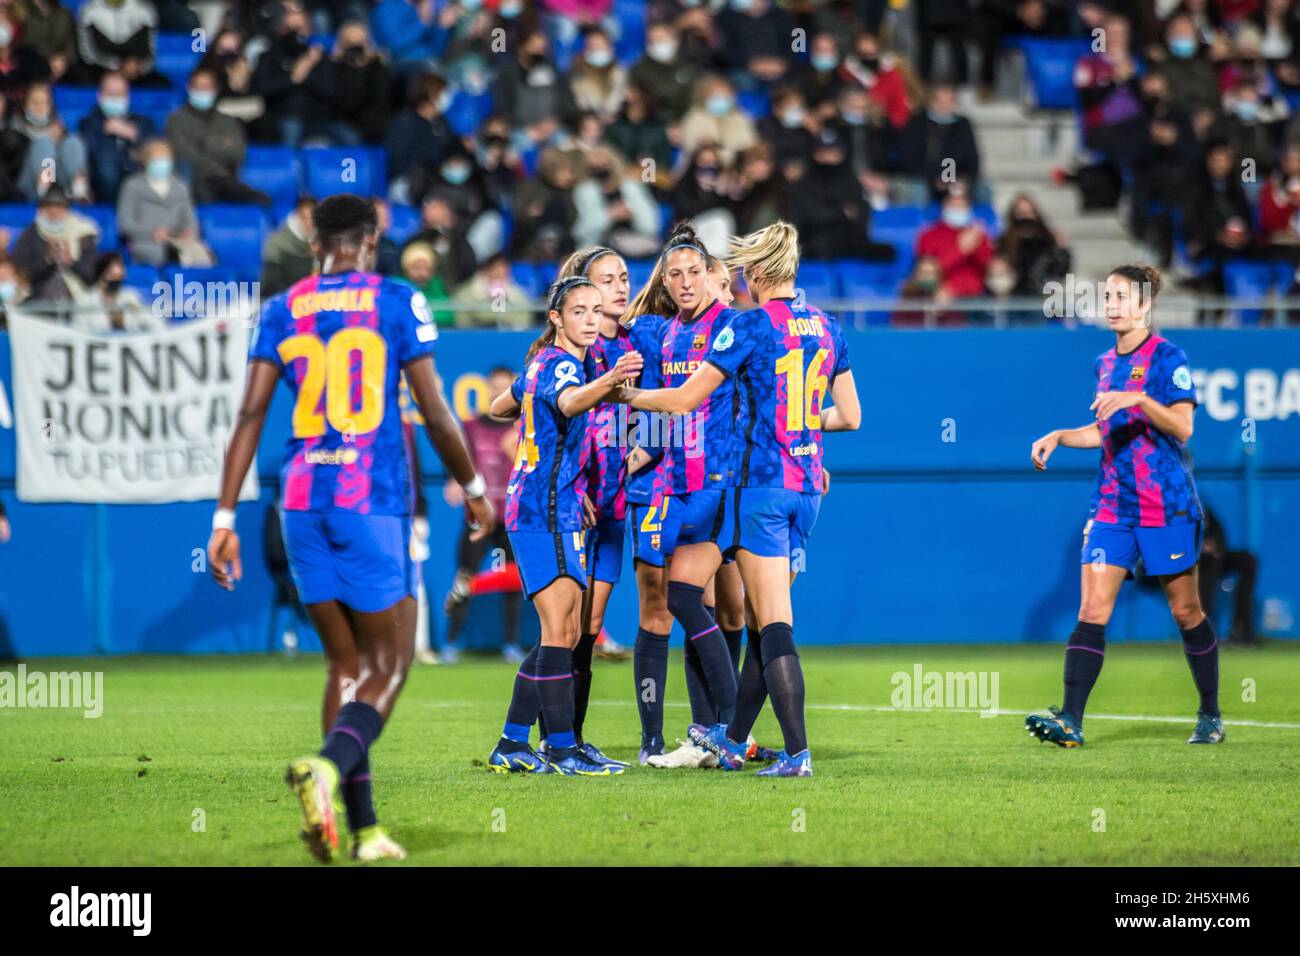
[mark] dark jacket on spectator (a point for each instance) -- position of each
(745, 37)
(638, 141)
(112, 157)
(361, 96)
(414, 142)
(670, 85)
(50, 31)
(210, 143)
(273, 81)
(45, 278)
(456, 261)
(524, 102)
(924, 146)
(25, 67)
(1208, 207)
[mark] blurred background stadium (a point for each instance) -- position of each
(962, 173)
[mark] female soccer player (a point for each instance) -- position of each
(544, 517)
(1144, 504)
(783, 357)
(342, 340)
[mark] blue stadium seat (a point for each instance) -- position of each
(1251, 279)
(190, 274)
(1049, 68)
(274, 171)
(468, 111)
(16, 217)
(870, 280)
(325, 169)
(141, 278)
(819, 282)
(235, 234)
(176, 57)
(638, 273)
(525, 276)
(897, 225)
(406, 222)
(106, 218)
(72, 103)
(630, 42)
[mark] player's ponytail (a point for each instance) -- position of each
(768, 257)
(653, 299)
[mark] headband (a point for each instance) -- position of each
(562, 288)
(598, 253)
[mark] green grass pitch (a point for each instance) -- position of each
(184, 741)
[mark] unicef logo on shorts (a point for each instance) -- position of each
(724, 340)
(1182, 378)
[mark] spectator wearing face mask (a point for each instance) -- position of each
(1000, 284)
(544, 208)
(1217, 218)
(497, 163)
(761, 197)
(667, 78)
(597, 81)
(639, 135)
(155, 213)
(442, 230)
(287, 255)
(210, 145)
(57, 252)
(959, 244)
(361, 83)
(1252, 126)
(868, 133)
(225, 59)
(120, 35)
(492, 299)
(925, 288)
(109, 306)
(615, 208)
(1187, 71)
(113, 134)
(937, 145)
(531, 94)
(50, 31)
(20, 65)
(293, 78)
(13, 287)
(756, 43)
(49, 148)
(819, 80)
(1168, 160)
(789, 128)
(461, 184)
(1279, 207)
(884, 76)
(715, 118)
(418, 138)
(703, 188)
(1035, 254)
(830, 208)
(414, 34)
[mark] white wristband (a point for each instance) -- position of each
(476, 488)
(223, 519)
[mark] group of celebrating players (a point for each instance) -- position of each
(713, 473)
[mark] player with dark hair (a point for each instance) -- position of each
(1144, 504)
(782, 358)
(544, 517)
(342, 341)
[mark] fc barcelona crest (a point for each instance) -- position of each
(654, 542)
(1138, 372)
(698, 342)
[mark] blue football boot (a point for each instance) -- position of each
(800, 765)
(1209, 730)
(1060, 728)
(592, 753)
(525, 760)
(731, 755)
(571, 762)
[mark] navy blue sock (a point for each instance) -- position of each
(555, 687)
(650, 671)
(702, 709)
(734, 639)
(1084, 654)
(357, 797)
(1202, 650)
(355, 729)
(582, 681)
(524, 705)
(752, 692)
(784, 678)
(686, 602)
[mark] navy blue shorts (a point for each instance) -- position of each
(773, 522)
(653, 528)
(543, 557)
(605, 550)
(706, 518)
(1168, 550)
(363, 561)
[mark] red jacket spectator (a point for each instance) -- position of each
(963, 255)
(1278, 209)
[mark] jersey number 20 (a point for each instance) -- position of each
(329, 369)
(803, 394)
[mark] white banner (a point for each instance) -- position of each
(133, 418)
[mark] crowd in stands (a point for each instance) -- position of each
(496, 136)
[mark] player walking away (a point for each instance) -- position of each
(1144, 504)
(342, 339)
(783, 357)
(492, 445)
(544, 516)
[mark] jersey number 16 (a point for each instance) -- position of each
(803, 393)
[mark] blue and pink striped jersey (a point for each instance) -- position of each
(697, 454)
(340, 341)
(607, 445)
(1144, 480)
(549, 477)
(783, 358)
(645, 428)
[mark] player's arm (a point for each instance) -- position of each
(449, 441)
(580, 398)
(685, 397)
(846, 414)
(223, 546)
(504, 407)
(1086, 436)
(1175, 420)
